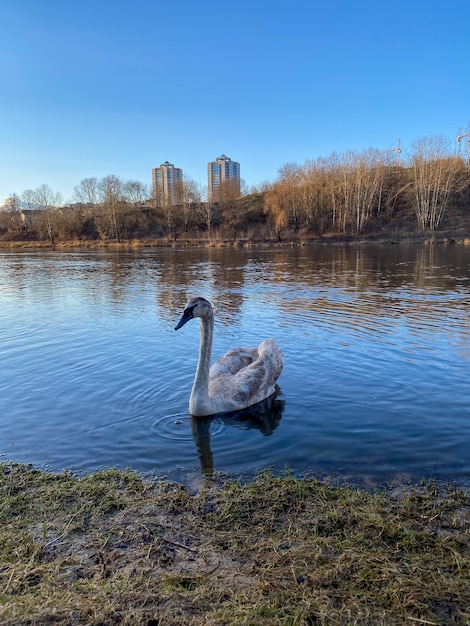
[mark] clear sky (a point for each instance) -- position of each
(101, 87)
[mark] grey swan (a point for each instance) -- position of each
(241, 378)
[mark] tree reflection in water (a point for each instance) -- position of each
(265, 416)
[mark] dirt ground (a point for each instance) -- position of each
(111, 548)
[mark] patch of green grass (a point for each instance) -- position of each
(179, 581)
(110, 548)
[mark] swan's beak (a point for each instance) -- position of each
(187, 315)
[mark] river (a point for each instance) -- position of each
(375, 387)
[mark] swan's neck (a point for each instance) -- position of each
(200, 392)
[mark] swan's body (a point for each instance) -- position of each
(239, 379)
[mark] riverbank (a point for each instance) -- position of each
(442, 237)
(111, 548)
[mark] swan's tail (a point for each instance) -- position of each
(270, 352)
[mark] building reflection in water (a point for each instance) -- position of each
(265, 416)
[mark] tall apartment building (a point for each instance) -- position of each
(164, 183)
(222, 170)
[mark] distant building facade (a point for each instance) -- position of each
(165, 181)
(222, 172)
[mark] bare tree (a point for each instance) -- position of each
(173, 220)
(206, 209)
(282, 202)
(87, 192)
(462, 191)
(228, 193)
(244, 188)
(12, 206)
(354, 184)
(47, 201)
(188, 197)
(28, 199)
(275, 206)
(111, 195)
(289, 177)
(435, 176)
(135, 192)
(310, 196)
(368, 182)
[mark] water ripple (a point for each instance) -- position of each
(174, 427)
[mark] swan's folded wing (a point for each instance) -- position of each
(257, 381)
(239, 390)
(233, 361)
(245, 376)
(251, 383)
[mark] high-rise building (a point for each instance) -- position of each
(222, 174)
(164, 182)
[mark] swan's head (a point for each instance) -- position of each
(197, 307)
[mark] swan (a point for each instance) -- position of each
(239, 379)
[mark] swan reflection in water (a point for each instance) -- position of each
(265, 416)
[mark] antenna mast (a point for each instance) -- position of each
(396, 149)
(461, 136)
(459, 139)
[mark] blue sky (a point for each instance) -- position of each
(96, 87)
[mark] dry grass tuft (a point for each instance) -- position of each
(111, 548)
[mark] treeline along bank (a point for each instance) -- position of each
(369, 193)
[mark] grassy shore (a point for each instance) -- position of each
(458, 236)
(111, 548)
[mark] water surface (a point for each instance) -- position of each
(375, 386)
